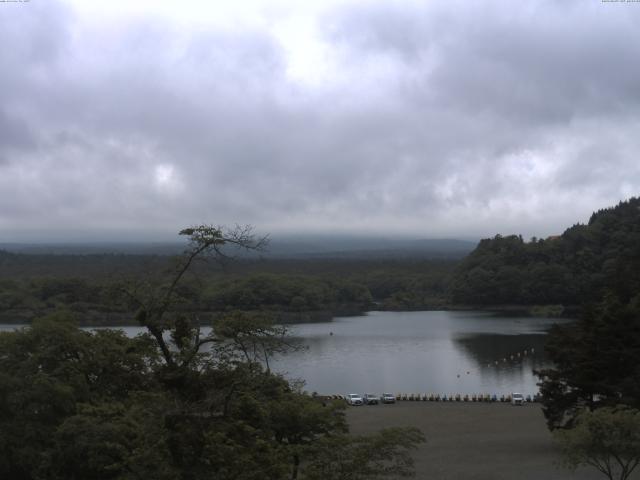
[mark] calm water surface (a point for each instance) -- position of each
(415, 352)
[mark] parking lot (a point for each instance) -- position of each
(479, 441)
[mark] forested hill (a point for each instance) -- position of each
(570, 269)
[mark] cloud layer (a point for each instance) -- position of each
(428, 119)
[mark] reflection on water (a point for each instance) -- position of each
(10, 327)
(415, 352)
(440, 352)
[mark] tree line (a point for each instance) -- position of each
(569, 269)
(591, 394)
(291, 287)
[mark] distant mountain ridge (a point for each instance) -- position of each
(93, 248)
(279, 247)
(338, 247)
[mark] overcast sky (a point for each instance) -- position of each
(130, 120)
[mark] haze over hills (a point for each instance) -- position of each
(298, 246)
(352, 246)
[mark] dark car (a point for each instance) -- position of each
(370, 399)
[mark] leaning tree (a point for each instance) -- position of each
(179, 402)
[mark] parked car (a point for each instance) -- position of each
(354, 399)
(517, 399)
(371, 399)
(388, 398)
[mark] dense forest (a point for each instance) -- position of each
(569, 269)
(565, 271)
(91, 285)
(175, 403)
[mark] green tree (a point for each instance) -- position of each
(607, 439)
(596, 362)
(382, 455)
(158, 299)
(173, 403)
(570, 269)
(47, 373)
(253, 336)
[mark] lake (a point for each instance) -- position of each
(443, 352)
(420, 352)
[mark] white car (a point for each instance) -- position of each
(388, 398)
(354, 399)
(517, 399)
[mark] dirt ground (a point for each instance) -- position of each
(479, 441)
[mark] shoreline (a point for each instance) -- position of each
(125, 319)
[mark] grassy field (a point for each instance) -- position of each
(479, 441)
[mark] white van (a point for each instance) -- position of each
(517, 399)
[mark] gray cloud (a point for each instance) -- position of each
(440, 119)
